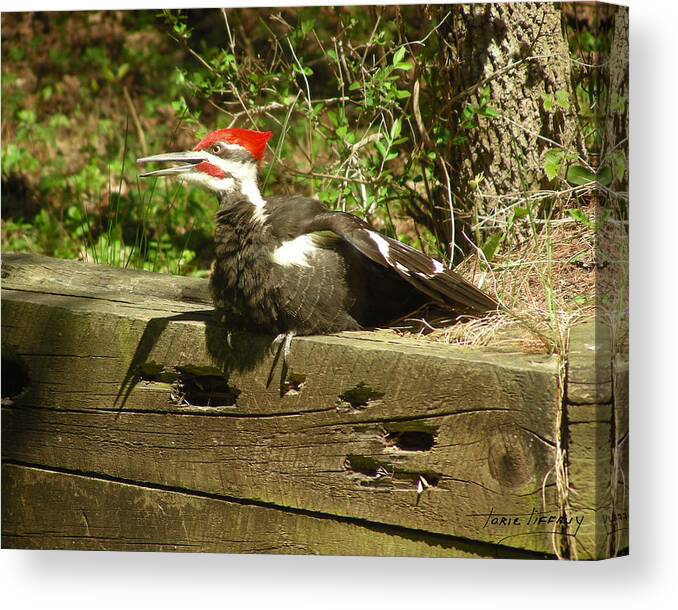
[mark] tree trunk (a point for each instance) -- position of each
(616, 146)
(511, 63)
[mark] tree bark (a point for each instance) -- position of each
(519, 55)
(617, 112)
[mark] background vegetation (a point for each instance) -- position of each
(378, 111)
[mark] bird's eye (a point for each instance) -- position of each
(216, 149)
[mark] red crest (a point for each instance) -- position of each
(252, 141)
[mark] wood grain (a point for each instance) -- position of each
(130, 383)
(96, 514)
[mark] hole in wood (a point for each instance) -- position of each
(192, 386)
(370, 472)
(366, 466)
(204, 391)
(360, 396)
(293, 384)
(14, 378)
(431, 479)
(411, 440)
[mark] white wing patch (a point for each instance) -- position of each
(437, 269)
(402, 268)
(295, 252)
(382, 244)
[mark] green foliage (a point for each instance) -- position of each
(561, 100)
(491, 246)
(69, 150)
(578, 175)
(471, 114)
(582, 218)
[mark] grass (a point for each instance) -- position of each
(69, 185)
(552, 278)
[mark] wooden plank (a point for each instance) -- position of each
(97, 514)
(58, 277)
(589, 364)
(617, 522)
(146, 388)
(591, 416)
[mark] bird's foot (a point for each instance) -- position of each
(284, 339)
(276, 341)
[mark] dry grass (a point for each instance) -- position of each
(546, 280)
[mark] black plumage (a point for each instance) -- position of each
(348, 283)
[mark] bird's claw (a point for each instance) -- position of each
(286, 339)
(276, 341)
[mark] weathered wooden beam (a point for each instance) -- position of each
(96, 514)
(124, 383)
(597, 442)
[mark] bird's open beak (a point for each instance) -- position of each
(188, 159)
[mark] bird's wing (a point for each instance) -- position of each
(429, 276)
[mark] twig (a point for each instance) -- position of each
(425, 38)
(451, 204)
(313, 174)
(135, 120)
(303, 75)
(417, 115)
(231, 40)
(544, 138)
(280, 106)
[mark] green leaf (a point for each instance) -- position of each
(605, 175)
(108, 75)
(563, 99)
(548, 102)
(74, 213)
(578, 175)
(580, 217)
(618, 164)
(380, 147)
(354, 85)
(398, 56)
(396, 128)
(553, 162)
(122, 71)
(491, 246)
(26, 116)
(307, 25)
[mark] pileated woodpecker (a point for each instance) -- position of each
(288, 265)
